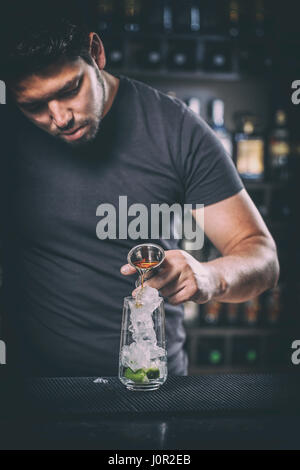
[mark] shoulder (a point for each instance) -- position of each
(154, 99)
(167, 114)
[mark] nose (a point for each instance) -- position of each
(62, 117)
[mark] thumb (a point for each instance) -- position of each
(127, 269)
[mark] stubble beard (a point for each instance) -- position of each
(95, 125)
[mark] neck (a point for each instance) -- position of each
(111, 85)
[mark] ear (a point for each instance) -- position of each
(97, 50)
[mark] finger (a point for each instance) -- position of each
(171, 289)
(179, 297)
(127, 269)
(162, 279)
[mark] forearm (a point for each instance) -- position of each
(246, 272)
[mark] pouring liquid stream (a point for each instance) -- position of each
(143, 267)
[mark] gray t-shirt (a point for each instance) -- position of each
(63, 289)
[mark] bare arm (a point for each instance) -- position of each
(249, 264)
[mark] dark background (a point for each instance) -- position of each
(246, 53)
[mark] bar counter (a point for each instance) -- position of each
(240, 411)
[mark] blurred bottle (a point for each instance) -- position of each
(218, 57)
(212, 313)
(191, 312)
(253, 17)
(260, 18)
(294, 163)
(194, 104)
(232, 314)
(157, 16)
(132, 12)
(107, 14)
(182, 55)
(186, 16)
(279, 148)
(234, 18)
(210, 351)
(213, 16)
(149, 55)
(274, 306)
(215, 356)
(251, 311)
(216, 114)
(251, 355)
(114, 53)
(246, 351)
(249, 148)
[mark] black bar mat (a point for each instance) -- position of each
(216, 394)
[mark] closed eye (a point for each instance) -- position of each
(38, 107)
(71, 92)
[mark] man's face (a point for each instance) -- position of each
(66, 100)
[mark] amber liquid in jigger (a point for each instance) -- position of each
(143, 267)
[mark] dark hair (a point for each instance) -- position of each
(40, 36)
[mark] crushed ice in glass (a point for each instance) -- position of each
(143, 352)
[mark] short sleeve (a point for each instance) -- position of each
(208, 172)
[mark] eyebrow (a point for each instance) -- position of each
(64, 88)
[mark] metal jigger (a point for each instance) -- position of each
(149, 252)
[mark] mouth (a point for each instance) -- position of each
(74, 135)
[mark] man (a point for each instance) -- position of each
(80, 137)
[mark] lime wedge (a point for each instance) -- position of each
(138, 377)
(152, 373)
